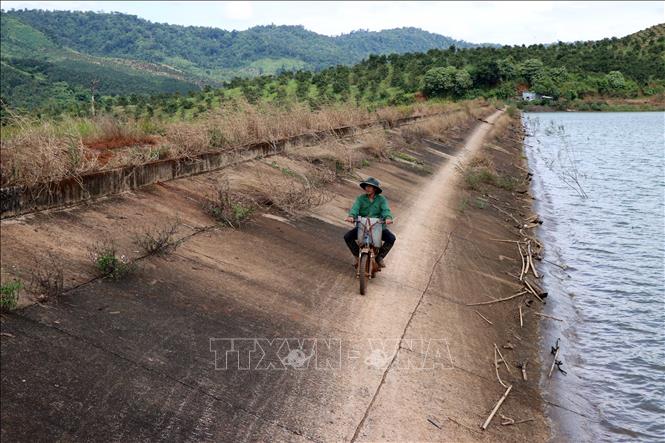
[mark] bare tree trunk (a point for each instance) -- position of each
(93, 89)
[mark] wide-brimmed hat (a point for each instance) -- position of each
(373, 182)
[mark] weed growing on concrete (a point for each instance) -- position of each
(480, 203)
(463, 204)
(48, 278)
(158, 241)
(228, 208)
(9, 295)
(405, 157)
(375, 144)
(476, 177)
(512, 111)
(105, 258)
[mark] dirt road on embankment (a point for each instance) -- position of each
(259, 333)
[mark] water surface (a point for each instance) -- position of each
(600, 189)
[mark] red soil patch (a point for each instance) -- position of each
(119, 142)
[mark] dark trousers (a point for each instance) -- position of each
(387, 237)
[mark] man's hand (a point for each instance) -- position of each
(349, 219)
(389, 221)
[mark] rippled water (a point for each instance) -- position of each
(612, 294)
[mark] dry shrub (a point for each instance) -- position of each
(482, 160)
(375, 144)
(186, 139)
(432, 127)
(392, 115)
(292, 195)
(239, 123)
(229, 208)
(113, 133)
(500, 127)
(481, 171)
(345, 157)
(160, 240)
(47, 279)
(39, 152)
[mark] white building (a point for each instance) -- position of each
(530, 96)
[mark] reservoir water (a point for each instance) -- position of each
(599, 184)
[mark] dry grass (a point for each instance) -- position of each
(481, 172)
(433, 127)
(292, 195)
(43, 152)
(229, 208)
(47, 280)
(375, 144)
(112, 133)
(33, 151)
(160, 240)
(500, 127)
(391, 115)
(482, 161)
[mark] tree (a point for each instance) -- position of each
(530, 69)
(448, 81)
(615, 81)
(486, 74)
(507, 69)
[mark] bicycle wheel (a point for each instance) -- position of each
(363, 267)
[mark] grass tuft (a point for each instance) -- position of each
(9, 293)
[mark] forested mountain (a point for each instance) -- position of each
(50, 58)
(127, 36)
(579, 75)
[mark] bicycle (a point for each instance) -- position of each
(369, 241)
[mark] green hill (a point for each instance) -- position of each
(127, 36)
(50, 58)
(36, 71)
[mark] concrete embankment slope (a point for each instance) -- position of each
(146, 357)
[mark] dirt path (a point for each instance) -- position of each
(149, 358)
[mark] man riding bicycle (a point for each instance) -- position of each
(370, 204)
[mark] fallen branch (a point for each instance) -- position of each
(526, 282)
(505, 241)
(564, 267)
(506, 213)
(502, 358)
(496, 408)
(523, 270)
(548, 316)
(496, 370)
(483, 317)
(497, 301)
(510, 421)
(533, 268)
(555, 351)
(521, 321)
(522, 367)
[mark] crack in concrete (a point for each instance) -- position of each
(406, 328)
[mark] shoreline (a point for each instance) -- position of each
(647, 104)
(151, 330)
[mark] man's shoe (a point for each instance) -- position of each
(379, 261)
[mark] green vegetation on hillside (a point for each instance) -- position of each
(43, 74)
(127, 36)
(38, 73)
(575, 75)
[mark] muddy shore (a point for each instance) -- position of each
(144, 357)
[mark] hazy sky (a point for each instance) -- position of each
(495, 22)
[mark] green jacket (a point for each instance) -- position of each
(365, 208)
